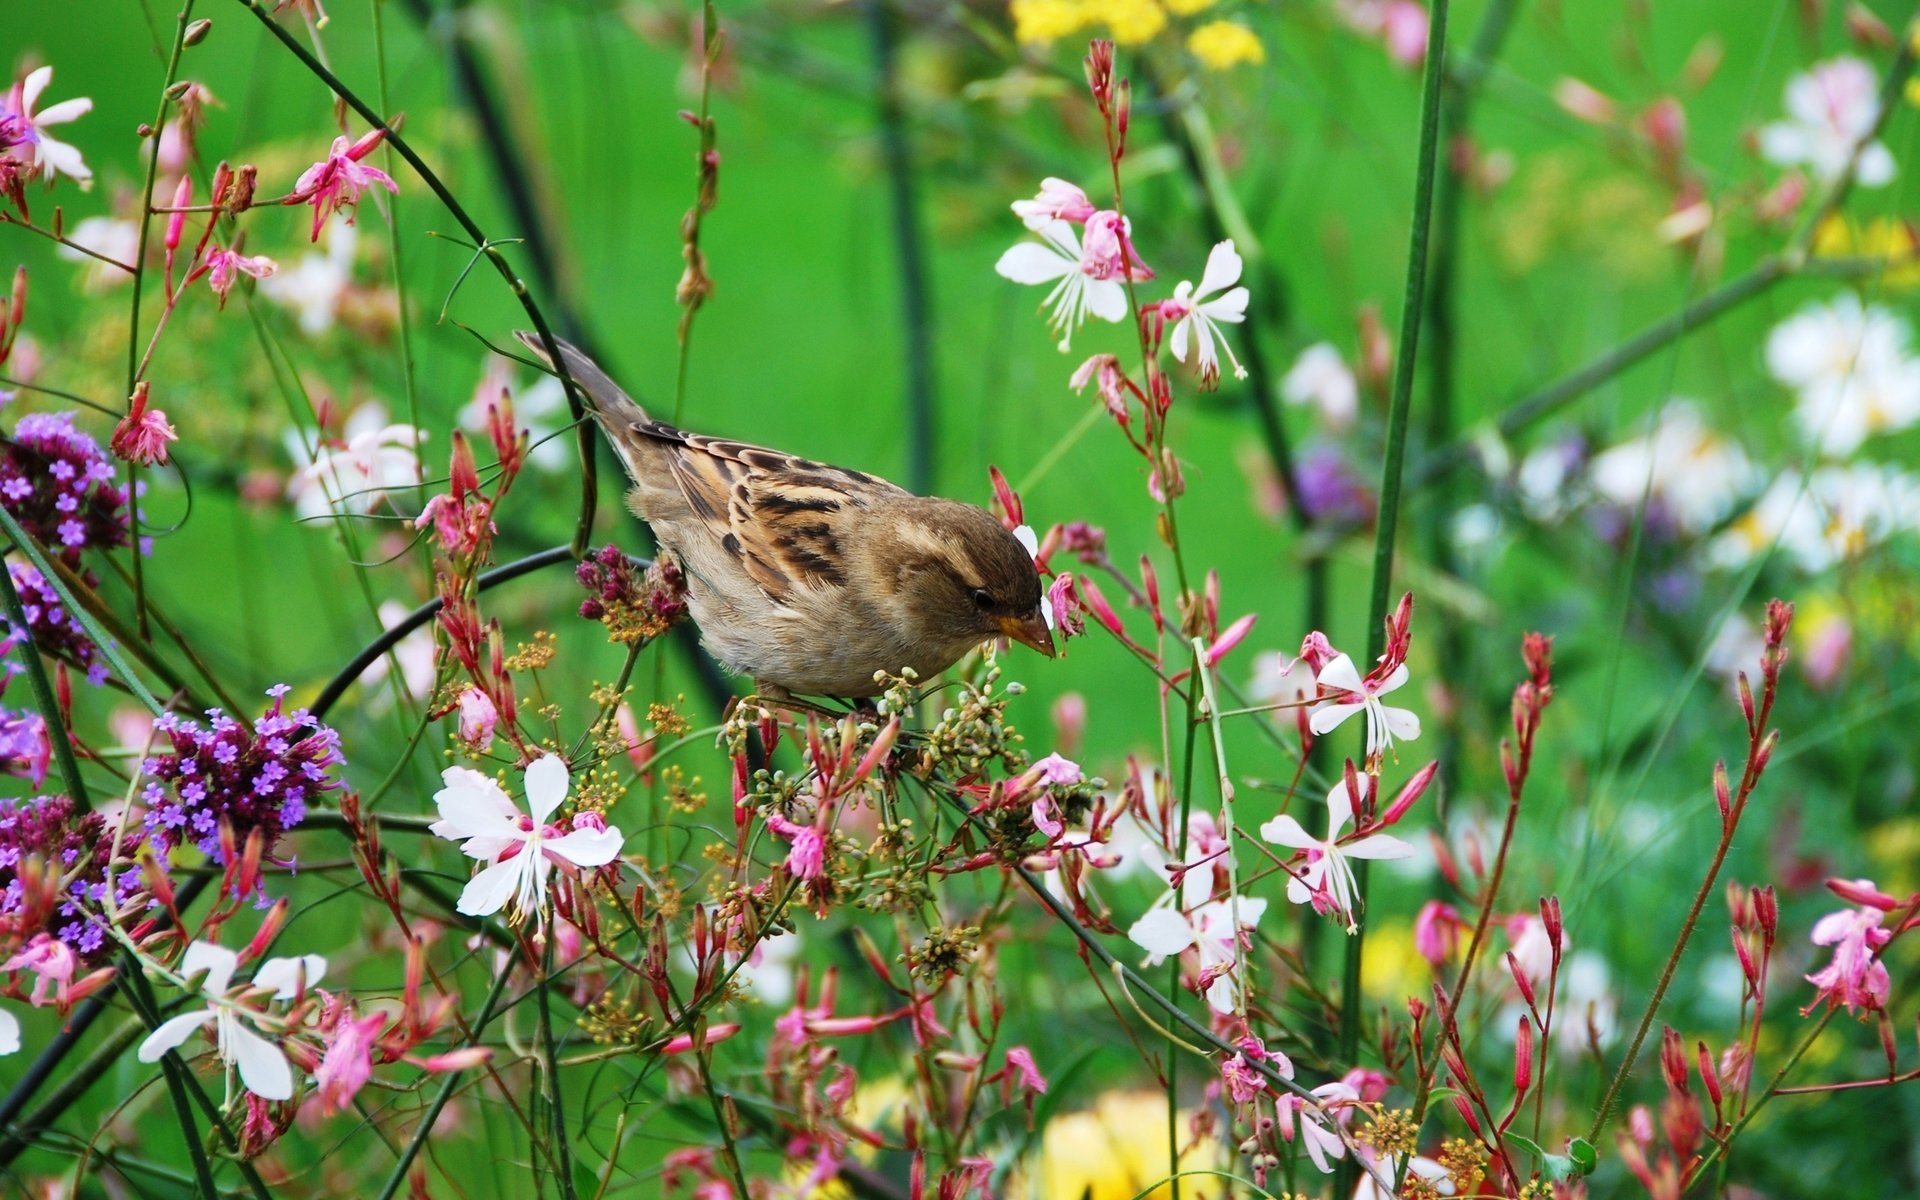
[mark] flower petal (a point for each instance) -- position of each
(169, 1034)
(263, 1068)
(1178, 342)
(1379, 845)
(289, 976)
(1223, 269)
(9, 1032)
(1161, 932)
(1341, 675)
(1402, 723)
(1231, 308)
(1107, 299)
(1030, 262)
(216, 963)
(488, 892)
(61, 113)
(587, 847)
(547, 782)
(1283, 830)
(1329, 717)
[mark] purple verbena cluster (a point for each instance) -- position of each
(59, 485)
(634, 604)
(74, 847)
(259, 778)
(51, 628)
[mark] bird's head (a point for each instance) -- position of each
(967, 579)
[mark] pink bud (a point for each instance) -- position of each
(1234, 635)
(176, 221)
(1862, 891)
(1584, 101)
(1411, 792)
(1523, 1055)
(457, 1060)
(1708, 1075)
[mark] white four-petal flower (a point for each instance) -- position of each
(48, 156)
(520, 848)
(1057, 259)
(1354, 694)
(1327, 873)
(1186, 919)
(1197, 317)
(264, 1070)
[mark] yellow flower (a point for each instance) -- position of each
(1186, 8)
(1224, 44)
(1888, 239)
(1913, 92)
(1390, 966)
(1039, 21)
(1115, 1152)
(1129, 21)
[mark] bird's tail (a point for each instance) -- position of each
(610, 403)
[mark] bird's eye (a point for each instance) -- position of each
(982, 599)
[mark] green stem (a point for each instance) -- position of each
(550, 1067)
(43, 697)
(141, 994)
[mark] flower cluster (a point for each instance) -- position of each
(225, 774)
(63, 895)
(1832, 111)
(1852, 370)
(635, 605)
(51, 628)
(60, 487)
(1216, 44)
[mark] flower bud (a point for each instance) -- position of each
(1410, 793)
(1708, 1075)
(1523, 1055)
(197, 32)
(1673, 1061)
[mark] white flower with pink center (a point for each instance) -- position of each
(520, 848)
(1083, 282)
(1196, 314)
(264, 1070)
(1831, 111)
(1327, 880)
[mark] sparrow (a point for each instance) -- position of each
(812, 579)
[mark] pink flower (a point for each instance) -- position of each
(142, 435)
(348, 1062)
(1244, 1083)
(478, 717)
(807, 858)
(48, 958)
(1058, 771)
(334, 183)
(1063, 607)
(1105, 369)
(224, 268)
(1436, 932)
(1856, 977)
(1108, 252)
(1021, 1065)
(1404, 27)
(21, 126)
(1058, 201)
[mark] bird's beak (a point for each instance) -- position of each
(1029, 631)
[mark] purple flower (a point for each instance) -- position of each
(58, 485)
(51, 628)
(1331, 490)
(246, 778)
(76, 844)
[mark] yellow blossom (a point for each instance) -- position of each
(1224, 44)
(1114, 1152)
(1041, 21)
(1887, 239)
(1131, 22)
(1186, 8)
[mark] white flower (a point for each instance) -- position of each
(1354, 694)
(49, 158)
(414, 652)
(1166, 930)
(1830, 110)
(1077, 290)
(377, 458)
(1314, 1126)
(1831, 516)
(1588, 1006)
(1327, 882)
(1194, 316)
(109, 237)
(1692, 473)
(263, 1068)
(1321, 377)
(9, 1032)
(314, 286)
(1850, 365)
(1383, 1171)
(520, 849)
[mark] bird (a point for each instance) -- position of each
(812, 579)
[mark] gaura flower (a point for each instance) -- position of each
(142, 435)
(224, 268)
(520, 848)
(1314, 1125)
(1083, 281)
(1320, 377)
(1831, 110)
(1195, 316)
(356, 475)
(9, 1033)
(478, 717)
(1327, 882)
(335, 182)
(1856, 978)
(47, 157)
(1185, 918)
(52, 963)
(347, 1063)
(1350, 694)
(1851, 367)
(263, 1068)
(1058, 201)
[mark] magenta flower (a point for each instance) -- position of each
(21, 126)
(142, 435)
(51, 960)
(807, 858)
(75, 846)
(347, 1062)
(1021, 1065)
(1856, 977)
(224, 268)
(335, 182)
(1058, 201)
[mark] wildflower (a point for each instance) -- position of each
(1312, 1123)
(1327, 881)
(1208, 926)
(520, 848)
(356, 472)
(478, 718)
(1856, 977)
(315, 286)
(224, 268)
(1436, 932)
(25, 749)
(1851, 367)
(46, 157)
(1058, 201)
(1831, 111)
(807, 858)
(1320, 377)
(1082, 283)
(1195, 316)
(224, 773)
(76, 847)
(1346, 694)
(1687, 473)
(335, 182)
(1223, 45)
(51, 961)
(347, 1062)
(60, 487)
(635, 605)
(142, 435)
(1834, 515)
(264, 1070)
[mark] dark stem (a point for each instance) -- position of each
(43, 697)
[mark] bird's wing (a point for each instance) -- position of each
(779, 515)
